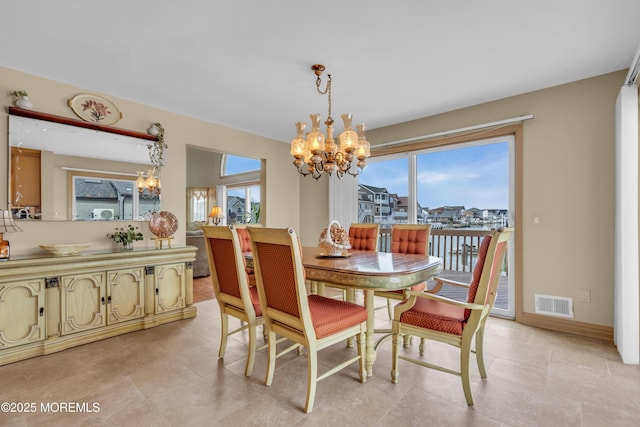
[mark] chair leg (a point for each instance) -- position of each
(395, 350)
(271, 359)
(465, 351)
(421, 347)
(349, 296)
(312, 379)
(406, 341)
(252, 350)
(362, 352)
(224, 321)
(389, 309)
(479, 354)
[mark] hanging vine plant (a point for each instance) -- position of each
(156, 150)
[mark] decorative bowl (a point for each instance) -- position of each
(334, 240)
(163, 224)
(64, 249)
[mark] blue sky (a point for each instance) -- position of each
(237, 164)
(475, 177)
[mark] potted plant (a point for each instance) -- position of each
(126, 236)
(22, 99)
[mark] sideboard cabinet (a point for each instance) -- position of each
(50, 303)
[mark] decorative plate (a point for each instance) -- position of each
(95, 109)
(163, 224)
(64, 249)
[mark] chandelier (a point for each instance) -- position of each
(151, 181)
(319, 153)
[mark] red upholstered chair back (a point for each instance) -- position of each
(227, 265)
(245, 239)
(225, 272)
(364, 237)
(491, 272)
(280, 277)
(410, 238)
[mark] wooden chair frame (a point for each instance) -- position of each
(230, 305)
(300, 329)
(480, 309)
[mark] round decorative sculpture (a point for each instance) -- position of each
(334, 240)
(163, 224)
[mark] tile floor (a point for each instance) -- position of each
(170, 376)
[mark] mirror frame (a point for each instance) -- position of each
(16, 111)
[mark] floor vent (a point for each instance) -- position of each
(555, 306)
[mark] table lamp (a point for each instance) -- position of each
(6, 226)
(216, 214)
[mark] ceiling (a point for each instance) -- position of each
(246, 64)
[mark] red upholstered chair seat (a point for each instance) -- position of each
(330, 315)
(435, 315)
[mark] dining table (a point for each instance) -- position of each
(369, 271)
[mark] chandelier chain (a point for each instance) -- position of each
(326, 91)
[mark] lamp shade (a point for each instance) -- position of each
(7, 225)
(216, 212)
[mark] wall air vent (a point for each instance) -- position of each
(554, 306)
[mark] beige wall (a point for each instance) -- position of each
(282, 185)
(568, 179)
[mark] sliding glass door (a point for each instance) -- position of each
(463, 190)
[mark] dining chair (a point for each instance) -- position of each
(245, 247)
(231, 287)
(407, 239)
(434, 317)
(313, 321)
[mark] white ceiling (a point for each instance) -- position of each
(246, 64)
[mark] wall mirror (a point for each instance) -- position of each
(76, 171)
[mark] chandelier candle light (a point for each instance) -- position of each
(319, 153)
(156, 154)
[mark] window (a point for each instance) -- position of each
(99, 197)
(234, 165)
(243, 204)
(382, 181)
(200, 202)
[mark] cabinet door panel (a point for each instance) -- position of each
(170, 287)
(125, 295)
(83, 302)
(21, 313)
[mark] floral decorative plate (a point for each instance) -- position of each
(95, 109)
(163, 224)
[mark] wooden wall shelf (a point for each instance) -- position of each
(79, 123)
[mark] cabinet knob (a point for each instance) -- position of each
(102, 299)
(41, 311)
(109, 299)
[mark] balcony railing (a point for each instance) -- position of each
(457, 247)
